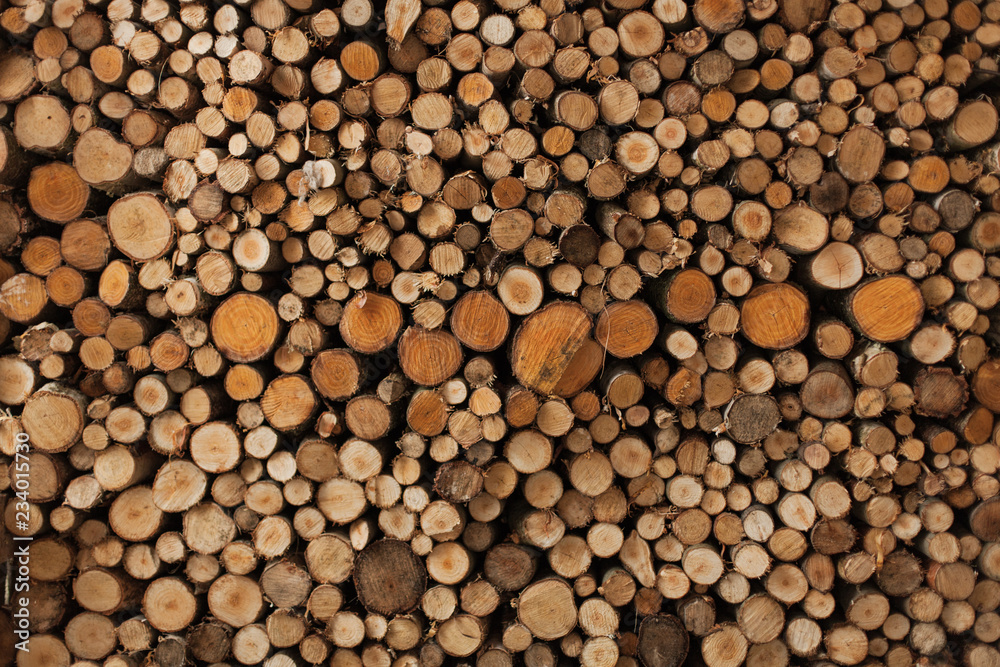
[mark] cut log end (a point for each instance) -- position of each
(389, 577)
(245, 327)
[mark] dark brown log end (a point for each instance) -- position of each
(389, 577)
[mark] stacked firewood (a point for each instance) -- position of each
(499, 332)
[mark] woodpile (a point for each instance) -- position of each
(501, 332)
